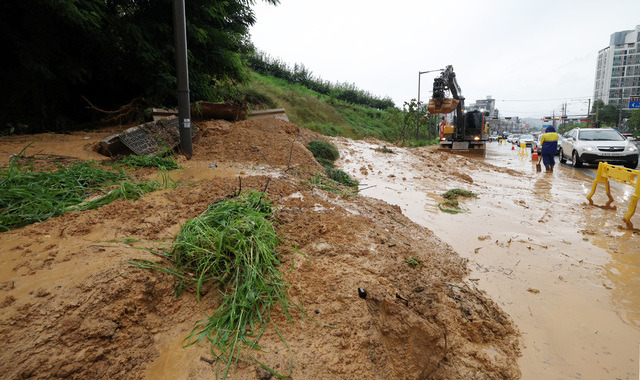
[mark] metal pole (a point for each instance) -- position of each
(418, 120)
(182, 75)
(419, 73)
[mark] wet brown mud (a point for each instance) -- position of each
(564, 271)
(74, 307)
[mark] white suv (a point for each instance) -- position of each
(593, 145)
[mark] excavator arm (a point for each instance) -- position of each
(439, 102)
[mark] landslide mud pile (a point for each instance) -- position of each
(72, 307)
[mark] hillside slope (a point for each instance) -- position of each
(321, 113)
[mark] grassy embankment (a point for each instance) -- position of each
(323, 113)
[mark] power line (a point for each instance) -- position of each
(541, 100)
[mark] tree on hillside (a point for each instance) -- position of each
(110, 52)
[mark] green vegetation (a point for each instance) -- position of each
(298, 74)
(340, 177)
(634, 123)
(413, 261)
(454, 193)
(326, 153)
(323, 150)
(28, 196)
(331, 116)
(126, 66)
(231, 247)
(323, 182)
(111, 52)
(451, 204)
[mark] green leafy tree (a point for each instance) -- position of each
(633, 124)
(59, 52)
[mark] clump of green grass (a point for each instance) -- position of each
(451, 204)
(323, 182)
(341, 177)
(454, 193)
(150, 161)
(28, 196)
(413, 261)
(326, 153)
(325, 163)
(231, 246)
(323, 149)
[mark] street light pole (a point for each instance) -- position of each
(182, 75)
(419, 74)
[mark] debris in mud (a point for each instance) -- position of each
(345, 239)
(384, 149)
(148, 138)
(451, 204)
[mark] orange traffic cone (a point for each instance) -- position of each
(513, 147)
(534, 156)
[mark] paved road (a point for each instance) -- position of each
(588, 170)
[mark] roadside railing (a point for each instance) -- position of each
(622, 175)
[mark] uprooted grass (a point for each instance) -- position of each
(326, 153)
(231, 246)
(28, 195)
(451, 204)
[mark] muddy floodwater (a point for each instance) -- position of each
(566, 272)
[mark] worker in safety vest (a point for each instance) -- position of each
(549, 143)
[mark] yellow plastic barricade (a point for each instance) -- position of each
(523, 150)
(620, 174)
(502, 141)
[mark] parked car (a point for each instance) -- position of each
(512, 138)
(525, 139)
(593, 145)
(631, 137)
(536, 144)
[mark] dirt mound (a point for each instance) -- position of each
(72, 307)
(270, 142)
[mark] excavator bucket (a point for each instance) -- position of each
(445, 106)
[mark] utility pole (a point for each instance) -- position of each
(419, 113)
(182, 75)
(619, 117)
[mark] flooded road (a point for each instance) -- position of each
(564, 271)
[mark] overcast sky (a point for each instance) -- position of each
(529, 55)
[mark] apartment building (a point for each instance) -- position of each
(618, 69)
(488, 104)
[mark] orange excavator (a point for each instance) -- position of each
(467, 131)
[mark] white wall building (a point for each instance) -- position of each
(618, 69)
(488, 104)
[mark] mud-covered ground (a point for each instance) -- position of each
(73, 307)
(568, 273)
